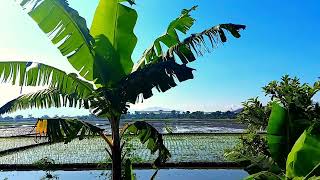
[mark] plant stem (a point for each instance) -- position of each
(116, 150)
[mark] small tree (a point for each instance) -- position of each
(108, 79)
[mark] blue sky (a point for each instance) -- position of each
(282, 37)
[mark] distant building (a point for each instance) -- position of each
(157, 112)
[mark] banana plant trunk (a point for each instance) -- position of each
(116, 150)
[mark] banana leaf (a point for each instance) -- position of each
(66, 29)
(112, 28)
(305, 154)
(154, 140)
(277, 134)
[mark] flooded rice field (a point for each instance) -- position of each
(176, 125)
(183, 148)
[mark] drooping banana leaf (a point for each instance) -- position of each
(112, 28)
(197, 43)
(170, 38)
(44, 99)
(148, 134)
(36, 74)
(59, 130)
(161, 75)
(305, 154)
(138, 86)
(66, 29)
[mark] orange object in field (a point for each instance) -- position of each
(41, 127)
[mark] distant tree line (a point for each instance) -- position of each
(172, 115)
(183, 115)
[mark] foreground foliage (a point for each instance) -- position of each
(302, 162)
(292, 131)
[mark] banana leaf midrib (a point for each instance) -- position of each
(115, 27)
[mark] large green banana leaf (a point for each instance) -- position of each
(67, 30)
(284, 128)
(112, 28)
(278, 127)
(305, 154)
(170, 38)
(36, 74)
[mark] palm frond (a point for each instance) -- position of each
(66, 29)
(170, 38)
(148, 134)
(44, 99)
(36, 74)
(59, 130)
(161, 75)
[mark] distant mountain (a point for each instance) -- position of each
(156, 109)
(237, 110)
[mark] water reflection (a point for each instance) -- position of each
(163, 174)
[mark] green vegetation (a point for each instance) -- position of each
(289, 149)
(302, 161)
(46, 164)
(254, 114)
(108, 80)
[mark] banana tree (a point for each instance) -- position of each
(107, 80)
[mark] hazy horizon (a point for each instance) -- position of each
(275, 43)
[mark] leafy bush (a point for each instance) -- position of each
(250, 145)
(291, 111)
(46, 164)
(254, 114)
